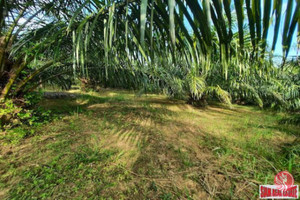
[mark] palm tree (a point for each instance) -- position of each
(132, 38)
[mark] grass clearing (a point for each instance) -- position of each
(116, 145)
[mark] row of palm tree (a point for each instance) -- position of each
(185, 48)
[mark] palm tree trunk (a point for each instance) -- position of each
(14, 74)
(31, 76)
(1, 15)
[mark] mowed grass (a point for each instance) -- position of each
(115, 145)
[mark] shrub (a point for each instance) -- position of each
(13, 114)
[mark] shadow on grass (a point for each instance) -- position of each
(82, 156)
(80, 104)
(64, 163)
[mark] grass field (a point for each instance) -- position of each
(116, 145)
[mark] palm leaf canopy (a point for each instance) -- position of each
(144, 39)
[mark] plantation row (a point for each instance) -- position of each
(192, 50)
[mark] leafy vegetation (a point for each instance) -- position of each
(190, 50)
(27, 112)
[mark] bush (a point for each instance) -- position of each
(9, 113)
(25, 113)
(32, 99)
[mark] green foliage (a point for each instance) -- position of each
(221, 94)
(163, 55)
(8, 112)
(18, 120)
(33, 98)
(15, 135)
(295, 119)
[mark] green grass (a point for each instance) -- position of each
(116, 145)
